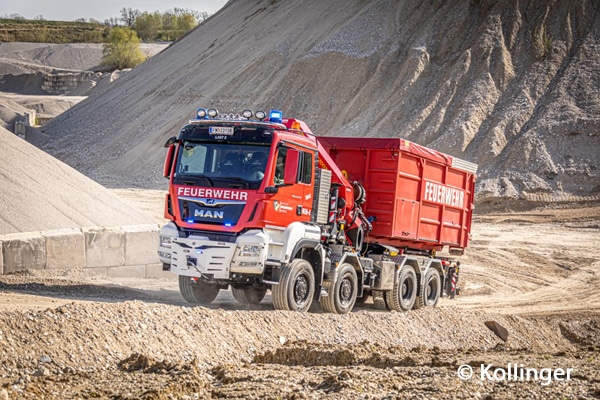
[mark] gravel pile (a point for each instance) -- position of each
(480, 82)
(122, 348)
(41, 193)
(67, 57)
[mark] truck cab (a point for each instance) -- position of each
(241, 201)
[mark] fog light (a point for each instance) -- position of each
(165, 241)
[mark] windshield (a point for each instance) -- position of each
(230, 160)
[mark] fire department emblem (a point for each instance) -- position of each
(276, 205)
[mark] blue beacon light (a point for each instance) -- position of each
(276, 116)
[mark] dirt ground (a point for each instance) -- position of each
(68, 335)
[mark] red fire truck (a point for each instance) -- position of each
(257, 202)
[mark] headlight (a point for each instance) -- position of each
(165, 241)
(250, 250)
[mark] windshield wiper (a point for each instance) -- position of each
(238, 181)
(193, 180)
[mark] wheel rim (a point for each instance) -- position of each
(407, 290)
(346, 292)
(300, 290)
(431, 290)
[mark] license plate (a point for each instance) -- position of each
(220, 130)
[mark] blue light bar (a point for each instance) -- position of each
(276, 116)
(190, 221)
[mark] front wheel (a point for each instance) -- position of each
(248, 295)
(196, 291)
(341, 295)
(402, 297)
(296, 287)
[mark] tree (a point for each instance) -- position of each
(147, 25)
(112, 21)
(169, 22)
(128, 16)
(122, 49)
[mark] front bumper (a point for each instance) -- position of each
(201, 257)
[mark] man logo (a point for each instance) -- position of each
(209, 214)
(210, 202)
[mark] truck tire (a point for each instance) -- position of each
(248, 295)
(431, 290)
(197, 292)
(341, 294)
(379, 300)
(296, 287)
(402, 297)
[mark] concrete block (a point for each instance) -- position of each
(155, 271)
(104, 247)
(65, 248)
(141, 244)
(23, 251)
(128, 271)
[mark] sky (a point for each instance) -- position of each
(69, 10)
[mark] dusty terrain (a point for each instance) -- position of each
(65, 335)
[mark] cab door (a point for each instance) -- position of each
(293, 179)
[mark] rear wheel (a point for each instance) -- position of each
(431, 290)
(341, 295)
(248, 295)
(402, 297)
(379, 300)
(196, 291)
(296, 287)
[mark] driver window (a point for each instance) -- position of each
(280, 165)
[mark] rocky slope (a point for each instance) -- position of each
(512, 86)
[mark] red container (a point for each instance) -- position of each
(420, 198)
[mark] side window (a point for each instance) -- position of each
(280, 165)
(304, 169)
(306, 163)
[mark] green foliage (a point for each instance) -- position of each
(39, 30)
(148, 25)
(122, 49)
(170, 25)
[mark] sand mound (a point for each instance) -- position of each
(10, 112)
(511, 86)
(41, 193)
(30, 57)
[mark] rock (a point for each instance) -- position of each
(45, 359)
(498, 330)
(3, 394)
